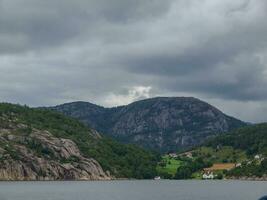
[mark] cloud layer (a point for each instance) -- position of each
(114, 52)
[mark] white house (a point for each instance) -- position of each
(257, 157)
(173, 155)
(208, 175)
(238, 165)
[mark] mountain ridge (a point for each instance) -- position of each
(160, 123)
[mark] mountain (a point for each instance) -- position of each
(162, 123)
(38, 144)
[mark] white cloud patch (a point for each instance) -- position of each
(133, 94)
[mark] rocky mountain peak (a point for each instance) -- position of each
(161, 123)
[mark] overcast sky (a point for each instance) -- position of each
(113, 52)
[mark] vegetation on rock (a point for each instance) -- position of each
(124, 161)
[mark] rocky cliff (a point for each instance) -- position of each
(38, 144)
(162, 123)
(38, 155)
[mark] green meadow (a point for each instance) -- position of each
(168, 165)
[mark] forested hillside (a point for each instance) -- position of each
(22, 127)
(252, 139)
(244, 148)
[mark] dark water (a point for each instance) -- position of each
(133, 190)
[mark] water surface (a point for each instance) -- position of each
(133, 190)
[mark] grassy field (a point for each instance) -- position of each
(222, 155)
(171, 165)
(168, 166)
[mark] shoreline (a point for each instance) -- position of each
(245, 179)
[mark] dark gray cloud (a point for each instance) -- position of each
(39, 24)
(114, 52)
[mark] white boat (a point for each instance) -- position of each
(157, 178)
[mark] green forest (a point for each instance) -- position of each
(130, 161)
(122, 161)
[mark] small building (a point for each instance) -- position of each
(238, 165)
(187, 154)
(173, 155)
(257, 157)
(208, 175)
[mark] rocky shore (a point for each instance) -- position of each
(41, 156)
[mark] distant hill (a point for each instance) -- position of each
(251, 139)
(40, 144)
(162, 123)
(244, 148)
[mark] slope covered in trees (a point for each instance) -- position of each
(252, 139)
(245, 147)
(120, 160)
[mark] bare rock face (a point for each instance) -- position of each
(41, 156)
(162, 124)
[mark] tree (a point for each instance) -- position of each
(183, 172)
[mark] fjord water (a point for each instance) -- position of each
(133, 190)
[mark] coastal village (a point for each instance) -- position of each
(216, 170)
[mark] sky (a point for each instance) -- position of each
(114, 52)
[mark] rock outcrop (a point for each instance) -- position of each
(39, 155)
(39, 144)
(162, 123)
